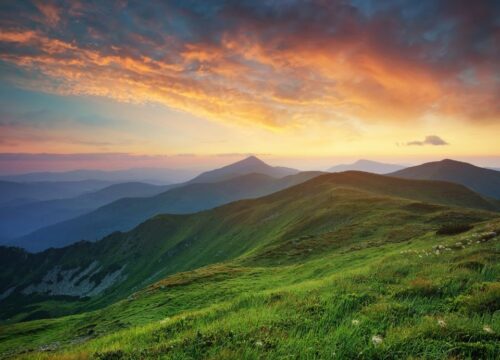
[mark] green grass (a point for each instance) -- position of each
(422, 306)
(313, 272)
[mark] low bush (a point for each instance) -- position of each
(453, 229)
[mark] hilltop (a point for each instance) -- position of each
(481, 180)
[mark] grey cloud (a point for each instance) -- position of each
(429, 140)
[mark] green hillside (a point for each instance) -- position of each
(349, 265)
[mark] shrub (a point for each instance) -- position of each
(109, 355)
(453, 229)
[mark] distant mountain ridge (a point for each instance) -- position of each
(22, 219)
(483, 181)
(367, 166)
(158, 176)
(13, 193)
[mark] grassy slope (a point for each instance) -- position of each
(173, 243)
(312, 259)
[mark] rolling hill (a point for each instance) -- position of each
(484, 181)
(341, 258)
(16, 221)
(124, 214)
(367, 166)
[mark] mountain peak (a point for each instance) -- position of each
(250, 164)
(251, 160)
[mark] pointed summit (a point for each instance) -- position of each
(249, 165)
(251, 160)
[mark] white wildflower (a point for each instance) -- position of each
(259, 343)
(355, 322)
(488, 329)
(377, 339)
(441, 323)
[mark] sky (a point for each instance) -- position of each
(116, 84)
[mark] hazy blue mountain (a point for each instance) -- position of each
(124, 214)
(13, 193)
(481, 180)
(19, 220)
(147, 175)
(246, 166)
(368, 166)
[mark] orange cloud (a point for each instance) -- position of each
(49, 11)
(247, 81)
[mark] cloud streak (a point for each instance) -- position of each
(269, 64)
(429, 140)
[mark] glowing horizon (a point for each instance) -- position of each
(299, 82)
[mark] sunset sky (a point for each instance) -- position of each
(201, 83)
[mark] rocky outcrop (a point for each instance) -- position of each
(75, 282)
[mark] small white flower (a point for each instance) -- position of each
(259, 343)
(355, 322)
(441, 323)
(488, 329)
(377, 339)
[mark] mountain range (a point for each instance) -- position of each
(339, 256)
(112, 268)
(247, 178)
(121, 207)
